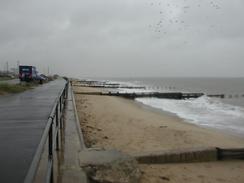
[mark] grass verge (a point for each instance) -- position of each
(6, 88)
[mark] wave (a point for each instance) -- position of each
(204, 111)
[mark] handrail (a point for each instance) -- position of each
(52, 136)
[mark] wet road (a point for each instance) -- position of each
(22, 121)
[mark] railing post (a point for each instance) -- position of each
(62, 97)
(57, 128)
(60, 103)
(50, 151)
(66, 90)
(60, 121)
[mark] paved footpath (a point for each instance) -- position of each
(22, 121)
(69, 170)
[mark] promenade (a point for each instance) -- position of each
(23, 118)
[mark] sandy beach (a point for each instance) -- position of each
(122, 124)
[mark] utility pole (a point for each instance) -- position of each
(18, 63)
(7, 67)
(17, 69)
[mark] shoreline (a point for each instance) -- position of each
(158, 118)
(186, 121)
(130, 127)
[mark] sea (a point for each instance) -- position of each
(222, 114)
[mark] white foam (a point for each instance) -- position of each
(124, 84)
(134, 90)
(205, 111)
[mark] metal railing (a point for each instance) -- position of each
(51, 137)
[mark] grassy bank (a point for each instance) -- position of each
(5, 78)
(6, 88)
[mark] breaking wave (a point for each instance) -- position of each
(204, 111)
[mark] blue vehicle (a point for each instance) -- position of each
(28, 73)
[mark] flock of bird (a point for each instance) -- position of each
(170, 21)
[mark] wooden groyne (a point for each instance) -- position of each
(170, 95)
(176, 95)
(190, 155)
(234, 153)
(111, 86)
(217, 96)
(105, 84)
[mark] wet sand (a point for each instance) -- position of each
(122, 124)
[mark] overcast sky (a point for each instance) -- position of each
(124, 38)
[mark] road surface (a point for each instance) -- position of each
(22, 121)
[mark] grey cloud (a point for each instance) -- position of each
(125, 37)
